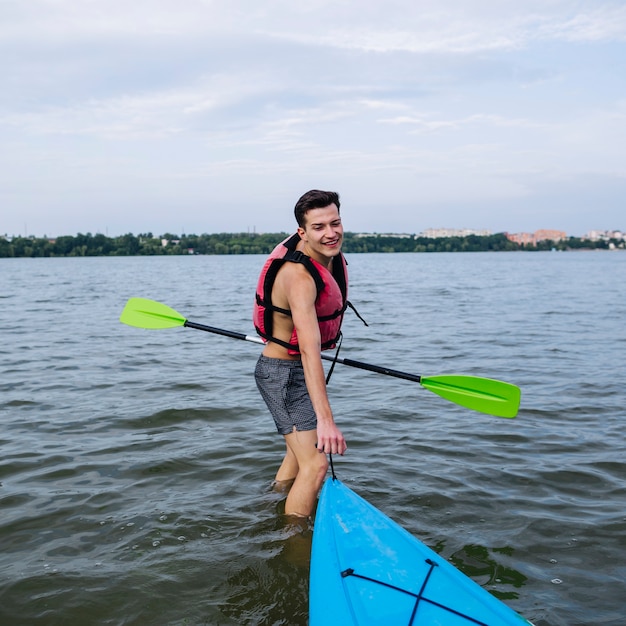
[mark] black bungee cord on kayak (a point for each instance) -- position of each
(419, 597)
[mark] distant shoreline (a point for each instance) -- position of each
(252, 243)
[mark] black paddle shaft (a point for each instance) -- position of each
(376, 368)
(217, 331)
(327, 357)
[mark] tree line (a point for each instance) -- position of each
(253, 243)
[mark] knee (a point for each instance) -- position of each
(316, 470)
(321, 469)
(323, 465)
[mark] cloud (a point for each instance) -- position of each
(605, 23)
(465, 27)
(155, 104)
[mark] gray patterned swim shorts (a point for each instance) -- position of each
(281, 383)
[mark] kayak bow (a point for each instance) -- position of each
(368, 570)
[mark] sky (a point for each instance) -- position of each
(205, 116)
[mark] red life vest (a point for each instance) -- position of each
(330, 304)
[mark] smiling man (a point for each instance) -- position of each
(300, 301)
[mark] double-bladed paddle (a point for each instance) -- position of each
(486, 395)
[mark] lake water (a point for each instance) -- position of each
(136, 465)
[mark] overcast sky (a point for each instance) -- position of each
(208, 116)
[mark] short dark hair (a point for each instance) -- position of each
(314, 199)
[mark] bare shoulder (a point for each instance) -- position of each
(294, 273)
(294, 281)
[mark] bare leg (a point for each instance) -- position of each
(312, 467)
(288, 469)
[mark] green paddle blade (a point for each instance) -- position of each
(485, 395)
(144, 313)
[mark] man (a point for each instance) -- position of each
(300, 301)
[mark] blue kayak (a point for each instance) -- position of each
(368, 570)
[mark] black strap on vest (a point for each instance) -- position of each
(349, 304)
(332, 365)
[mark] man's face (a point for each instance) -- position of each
(322, 232)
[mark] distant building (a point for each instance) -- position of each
(604, 235)
(432, 233)
(552, 235)
(438, 233)
(522, 238)
(534, 238)
(397, 235)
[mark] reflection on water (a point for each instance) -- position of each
(280, 577)
(477, 563)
